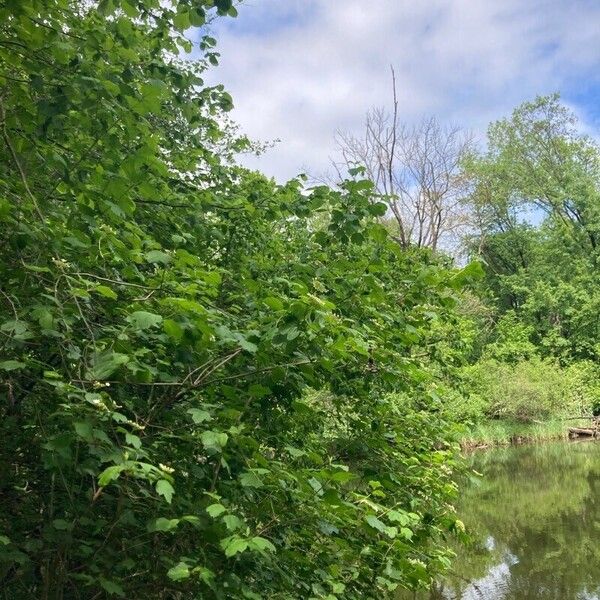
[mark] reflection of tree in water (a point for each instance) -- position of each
(540, 504)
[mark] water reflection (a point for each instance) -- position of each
(535, 515)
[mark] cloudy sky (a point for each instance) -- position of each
(299, 70)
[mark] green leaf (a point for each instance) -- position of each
(223, 5)
(197, 17)
(84, 429)
(11, 365)
(165, 489)
(232, 522)
(378, 232)
(374, 522)
(110, 474)
(295, 452)
(246, 345)
(274, 303)
(214, 440)
(472, 272)
(178, 572)
(398, 517)
(133, 440)
(61, 525)
(173, 329)
(250, 479)
(140, 320)
(163, 524)
(129, 9)
(256, 390)
(157, 256)
(111, 587)
(106, 364)
(105, 291)
(44, 317)
(214, 510)
(378, 209)
(342, 476)
(262, 544)
(17, 328)
(234, 546)
(199, 415)
(182, 21)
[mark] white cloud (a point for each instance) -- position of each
(300, 69)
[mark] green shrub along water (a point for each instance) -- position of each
(531, 400)
(527, 392)
(216, 386)
(212, 385)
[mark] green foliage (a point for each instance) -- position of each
(525, 391)
(212, 385)
(530, 390)
(536, 337)
(512, 340)
(547, 277)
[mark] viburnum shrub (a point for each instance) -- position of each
(211, 385)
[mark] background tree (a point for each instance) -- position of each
(416, 169)
(536, 191)
(539, 160)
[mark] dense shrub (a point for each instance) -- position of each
(200, 367)
(530, 390)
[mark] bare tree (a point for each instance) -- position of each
(416, 169)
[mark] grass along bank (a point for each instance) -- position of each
(506, 432)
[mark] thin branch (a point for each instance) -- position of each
(115, 281)
(191, 384)
(15, 158)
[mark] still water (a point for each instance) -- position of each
(535, 519)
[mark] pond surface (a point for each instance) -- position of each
(535, 519)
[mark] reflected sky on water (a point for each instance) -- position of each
(534, 516)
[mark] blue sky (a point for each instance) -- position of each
(299, 70)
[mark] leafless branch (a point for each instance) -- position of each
(416, 169)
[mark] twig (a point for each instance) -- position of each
(257, 371)
(9, 300)
(192, 384)
(16, 161)
(206, 373)
(115, 281)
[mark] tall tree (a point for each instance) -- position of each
(538, 159)
(536, 191)
(416, 169)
